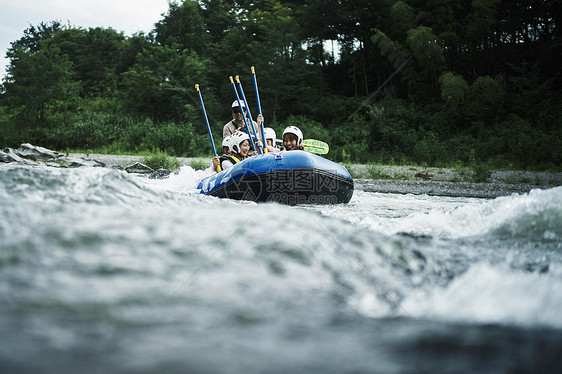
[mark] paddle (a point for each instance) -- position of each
(248, 111)
(259, 106)
(243, 116)
(315, 146)
(206, 120)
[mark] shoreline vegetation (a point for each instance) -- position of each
(475, 84)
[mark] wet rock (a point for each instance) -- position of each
(74, 162)
(10, 155)
(139, 168)
(160, 174)
(424, 175)
(33, 155)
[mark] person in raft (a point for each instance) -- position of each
(239, 150)
(292, 139)
(237, 122)
(271, 139)
(225, 152)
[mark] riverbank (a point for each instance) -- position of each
(450, 182)
(371, 178)
(405, 179)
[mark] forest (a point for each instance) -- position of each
(435, 83)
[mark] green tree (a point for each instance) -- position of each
(418, 59)
(39, 75)
(160, 82)
(453, 89)
(485, 100)
(95, 54)
(183, 28)
(481, 25)
(402, 18)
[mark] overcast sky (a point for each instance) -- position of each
(129, 16)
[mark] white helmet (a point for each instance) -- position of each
(270, 134)
(236, 139)
(226, 141)
(295, 131)
(235, 104)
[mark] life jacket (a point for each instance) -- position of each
(230, 158)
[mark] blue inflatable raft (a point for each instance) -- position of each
(295, 177)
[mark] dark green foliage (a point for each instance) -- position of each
(199, 165)
(480, 170)
(453, 89)
(161, 160)
(427, 82)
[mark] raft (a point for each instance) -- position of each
(295, 177)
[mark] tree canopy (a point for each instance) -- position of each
(419, 81)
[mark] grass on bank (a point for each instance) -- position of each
(199, 165)
(161, 160)
(475, 173)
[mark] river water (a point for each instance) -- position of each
(105, 272)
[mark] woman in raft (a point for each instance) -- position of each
(239, 146)
(292, 139)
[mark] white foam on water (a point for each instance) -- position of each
(493, 294)
(386, 213)
(538, 212)
(185, 179)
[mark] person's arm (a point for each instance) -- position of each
(273, 149)
(259, 121)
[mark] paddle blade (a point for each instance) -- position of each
(315, 146)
